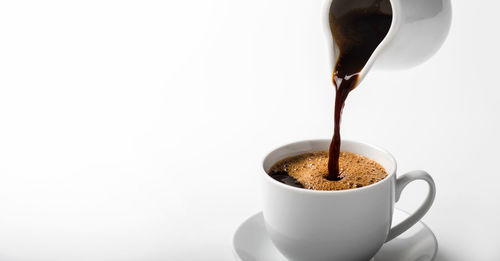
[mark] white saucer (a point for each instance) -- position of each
(251, 243)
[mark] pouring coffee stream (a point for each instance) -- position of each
(358, 28)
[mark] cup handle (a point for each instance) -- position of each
(401, 183)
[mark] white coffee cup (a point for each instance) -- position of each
(346, 225)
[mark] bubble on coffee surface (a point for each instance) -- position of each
(310, 171)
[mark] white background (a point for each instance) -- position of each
(133, 130)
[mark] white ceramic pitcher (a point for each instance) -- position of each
(418, 29)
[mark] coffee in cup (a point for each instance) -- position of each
(310, 171)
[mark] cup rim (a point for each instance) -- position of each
(311, 191)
